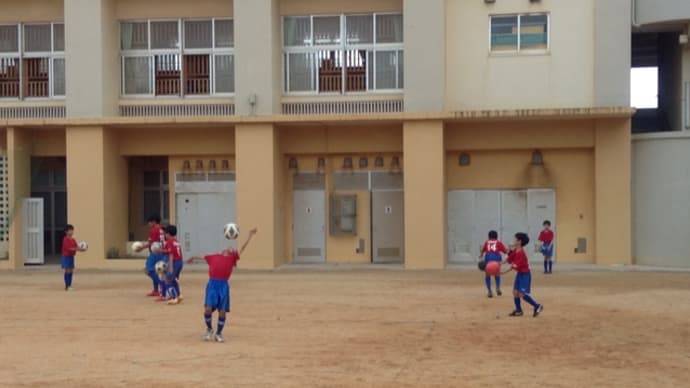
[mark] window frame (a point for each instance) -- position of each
(163, 191)
(519, 50)
(180, 51)
(21, 54)
(343, 47)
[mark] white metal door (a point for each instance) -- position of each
(200, 219)
(388, 233)
(513, 214)
(487, 205)
(187, 214)
(461, 225)
(309, 226)
(33, 231)
(541, 206)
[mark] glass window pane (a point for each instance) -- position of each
(225, 34)
(137, 75)
(58, 37)
(225, 74)
(134, 36)
(37, 38)
(297, 31)
(152, 179)
(533, 32)
(152, 203)
(164, 177)
(165, 35)
(198, 34)
(389, 29)
(165, 214)
(360, 29)
(386, 75)
(401, 69)
(60, 209)
(504, 33)
(59, 76)
(370, 70)
(301, 72)
(326, 30)
(9, 39)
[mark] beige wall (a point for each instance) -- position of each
(19, 184)
(116, 193)
(612, 55)
(14, 11)
(478, 79)
(318, 139)
(138, 9)
(310, 7)
(177, 141)
(48, 142)
(425, 195)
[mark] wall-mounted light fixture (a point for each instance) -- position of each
(186, 166)
(199, 165)
(363, 162)
(537, 158)
(378, 162)
(321, 163)
(395, 162)
(212, 165)
(292, 164)
(225, 164)
(347, 163)
(464, 160)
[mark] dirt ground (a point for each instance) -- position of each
(347, 328)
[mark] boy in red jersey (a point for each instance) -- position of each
(523, 279)
(546, 241)
(156, 235)
(69, 250)
(173, 249)
(493, 250)
(220, 268)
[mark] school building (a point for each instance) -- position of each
(361, 131)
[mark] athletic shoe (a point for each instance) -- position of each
(161, 299)
(490, 294)
(209, 335)
(219, 338)
(174, 301)
(180, 297)
(516, 314)
(70, 288)
(498, 292)
(154, 293)
(538, 310)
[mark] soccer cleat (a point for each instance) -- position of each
(70, 288)
(516, 313)
(209, 335)
(538, 310)
(154, 293)
(161, 299)
(219, 338)
(174, 301)
(180, 297)
(490, 294)
(498, 292)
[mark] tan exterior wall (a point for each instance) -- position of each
(341, 139)
(48, 142)
(14, 11)
(327, 7)
(158, 9)
(19, 180)
(479, 79)
(177, 141)
(116, 193)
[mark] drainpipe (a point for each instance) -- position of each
(633, 13)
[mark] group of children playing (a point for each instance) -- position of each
(163, 246)
(495, 250)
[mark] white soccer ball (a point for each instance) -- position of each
(83, 245)
(161, 267)
(137, 246)
(156, 247)
(231, 231)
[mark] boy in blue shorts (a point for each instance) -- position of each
(174, 252)
(493, 250)
(546, 249)
(220, 268)
(69, 250)
(156, 235)
(523, 279)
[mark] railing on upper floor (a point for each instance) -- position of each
(156, 110)
(342, 107)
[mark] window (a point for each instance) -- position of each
(178, 57)
(343, 53)
(32, 63)
(156, 194)
(510, 33)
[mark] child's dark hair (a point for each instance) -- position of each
(154, 218)
(523, 238)
(68, 227)
(171, 230)
(493, 235)
(547, 222)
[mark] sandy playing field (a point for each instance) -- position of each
(375, 328)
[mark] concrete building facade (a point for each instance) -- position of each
(349, 132)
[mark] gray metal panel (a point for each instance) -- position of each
(383, 180)
(388, 234)
(354, 180)
(308, 225)
(460, 225)
(541, 206)
(308, 181)
(488, 210)
(200, 218)
(513, 214)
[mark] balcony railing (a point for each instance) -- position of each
(342, 107)
(172, 110)
(32, 112)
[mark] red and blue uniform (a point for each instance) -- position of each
(173, 249)
(546, 238)
(218, 288)
(69, 250)
(520, 264)
(493, 249)
(156, 235)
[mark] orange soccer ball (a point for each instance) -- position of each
(493, 268)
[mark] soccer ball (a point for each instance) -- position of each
(231, 231)
(156, 247)
(137, 246)
(161, 267)
(83, 245)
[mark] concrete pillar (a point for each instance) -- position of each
(612, 197)
(92, 37)
(612, 37)
(425, 194)
(425, 55)
(258, 48)
(19, 181)
(260, 186)
(97, 192)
